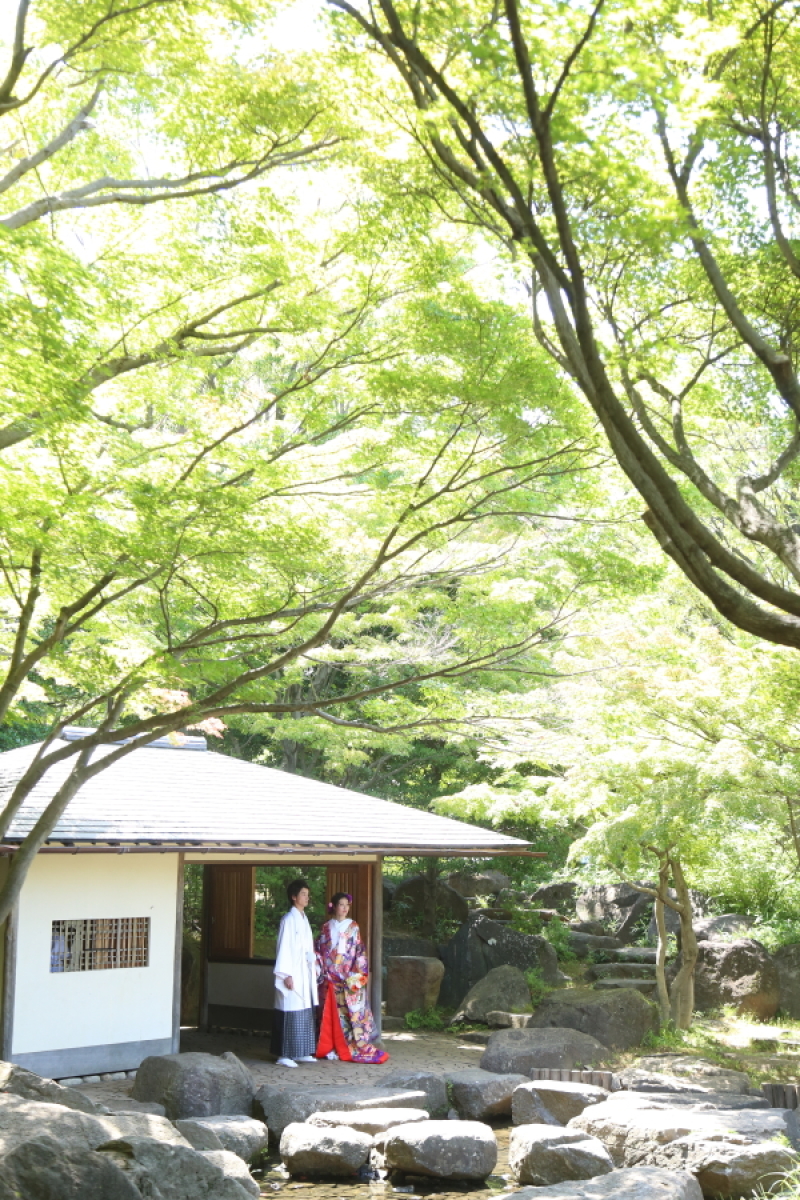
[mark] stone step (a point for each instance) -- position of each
(645, 986)
(622, 970)
(640, 954)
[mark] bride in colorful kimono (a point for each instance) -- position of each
(347, 1023)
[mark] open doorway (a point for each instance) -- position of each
(231, 918)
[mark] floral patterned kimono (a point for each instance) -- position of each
(347, 1023)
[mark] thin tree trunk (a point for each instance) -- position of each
(682, 990)
(661, 925)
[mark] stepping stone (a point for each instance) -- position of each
(369, 1120)
(547, 1102)
(316, 1150)
(480, 1094)
(540, 1154)
(442, 1149)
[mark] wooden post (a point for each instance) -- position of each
(178, 968)
(376, 946)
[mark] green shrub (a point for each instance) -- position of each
(536, 985)
(557, 934)
(426, 1018)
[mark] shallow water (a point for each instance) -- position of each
(275, 1179)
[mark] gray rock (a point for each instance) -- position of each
(482, 883)
(479, 1094)
(644, 1183)
(319, 1150)
(429, 1082)
(681, 1073)
(619, 1019)
(509, 1020)
(787, 964)
(45, 1169)
(633, 1134)
(279, 1107)
(233, 1168)
(503, 988)
(606, 902)
(412, 983)
(729, 1169)
(724, 928)
(595, 928)
(560, 896)
(541, 1154)
(138, 1124)
(443, 1149)
(521, 1050)
(125, 1104)
(481, 945)
(24, 1120)
(548, 1102)
(369, 1120)
(196, 1084)
(739, 973)
(168, 1172)
(243, 1136)
(407, 945)
(17, 1081)
(411, 896)
(198, 1135)
(584, 944)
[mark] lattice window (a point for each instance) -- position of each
(100, 944)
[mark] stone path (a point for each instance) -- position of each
(419, 1050)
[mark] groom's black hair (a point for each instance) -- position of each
(294, 888)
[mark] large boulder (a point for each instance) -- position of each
(433, 1086)
(727, 1168)
(320, 1150)
(550, 1102)
(560, 896)
(634, 1134)
(739, 973)
(542, 1154)
(24, 1120)
(411, 898)
(478, 1095)
(723, 928)
(403, 945)
(619, 1019)
(369, 1120)
(17, 1081)
(482, 883)
(482, 944)
(412, 983)
(442, 1149)
(233, 1168)
(279, 1107)
(158, 1169)
(522, 1050)
(787, 964)
(45, 1169)
(243, 1136)
(196, 1084)
(606, 902)
(503, 988)
(644, 1183)
(682, 1074)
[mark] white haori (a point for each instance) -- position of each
(295, 956)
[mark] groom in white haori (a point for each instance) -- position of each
(294, 1037)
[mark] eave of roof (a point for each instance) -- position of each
(159, 799)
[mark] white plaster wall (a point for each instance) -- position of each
(90, 1008)
(245, 985)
